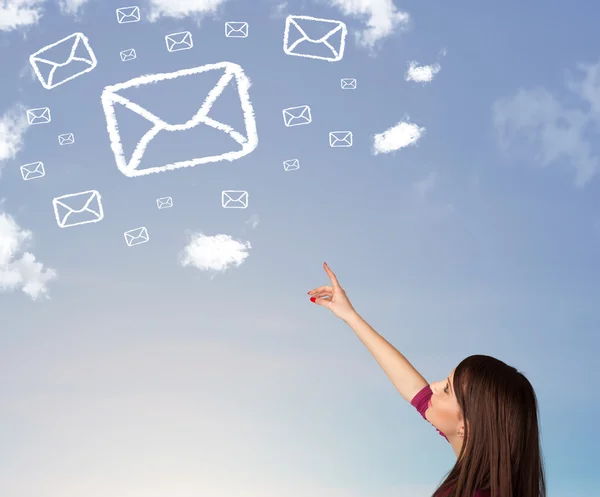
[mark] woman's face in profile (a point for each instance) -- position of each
(443, 411)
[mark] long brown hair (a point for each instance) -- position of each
(501, 454)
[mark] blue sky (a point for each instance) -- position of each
(125, 371)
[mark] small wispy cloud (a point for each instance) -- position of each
(421, 74)
(557, 131)
(183, 8)
(253, 221)
(20, 271)
(382, 17)
(13, 125)
(71, 7)
(399, 136)
(214, 253)
(426, 185)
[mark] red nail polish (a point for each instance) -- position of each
(312, 299)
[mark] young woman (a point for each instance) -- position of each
(485, 409)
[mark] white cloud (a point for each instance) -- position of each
(214, 253)
(421, 74)
(381, 17)
(556, 130)
(22, 272)
(15, 14)
(13, 125)
(182, 8)
(71, 6)
(426, 185)
(399, 136)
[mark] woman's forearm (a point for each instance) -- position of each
(407, 380)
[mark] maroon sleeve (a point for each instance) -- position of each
(420, 401)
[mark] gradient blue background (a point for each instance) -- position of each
(143, 378)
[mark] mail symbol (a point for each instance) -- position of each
(33, 171)
(291, 165)
(136, 236)
(128, 14)
(236, 29)
(179, 41)
(348, 84)
(39, 116)
(66, 139)
(128, 54)
(78, 208)
(164, 202)
(243, 141)
(295, 116)
(234, 199)
(340, 139)
(305, 31)
(53, 69)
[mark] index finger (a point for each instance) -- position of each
(332, 277)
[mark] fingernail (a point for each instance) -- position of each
(312, 299)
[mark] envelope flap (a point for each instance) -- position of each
(129, 11)
(234, 196)
(184, 37)
(315, 30)
(136, 233)
(79, 202)
(139, 95)
(61, 52)
(237, 26)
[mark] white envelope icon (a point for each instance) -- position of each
(179, 41)
(39, 116)
(128, 54)
(78, 208)
(136, 236)
(128, 14)
(236, 29)
(66, 139)
(33, 171)
(308, 41)
(234, 199)
(244, 142)
(295, 116)
(291, 165)
(164, 202)
(348, 84)
(340, 139)
(53, 68)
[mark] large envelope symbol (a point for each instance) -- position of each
(53, 69)
(300, 28)
(136, 236)
(33, 171)
(234, 199)
(248, 140)
(39, 116)
(128, 14)
(340, 139)
(179, 41)
(78, 208)
(236, 29)
(295, 116)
